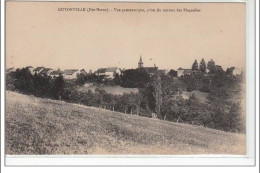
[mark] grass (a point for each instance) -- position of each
(43, 126)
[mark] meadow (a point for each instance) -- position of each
(44, 126)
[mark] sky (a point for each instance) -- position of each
(37, 34)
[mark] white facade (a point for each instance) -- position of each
(180, 73)
(110, 74)
(71, 74)
(236, 71)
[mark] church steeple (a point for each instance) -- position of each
(140, 63)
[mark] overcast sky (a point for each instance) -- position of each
(37, 34)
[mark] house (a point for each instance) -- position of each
(30, 68)
(70, 73)
(163, 71)
(83, 71)
(46, 71)
(233, 71)
(56, 73)
(151, 70)
(101, 72)
(9, 70)
(237, 71)
(181, 72)
(108, 72)
(38, 70)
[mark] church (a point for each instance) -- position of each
(150, 70)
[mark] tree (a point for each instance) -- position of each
(41, 85)
(211, 66)
(10, 80)
(203, 66)
(134, 78)
(235, 117)
(58, 87)
(230, 70)
(117, 79)
(81, 79)
(173, 73)
(23, 80)
(195, 66)
(174, 108)
(157, 94)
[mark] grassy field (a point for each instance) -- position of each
(117, 90)
(43, 126)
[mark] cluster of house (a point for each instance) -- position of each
(67, 73)
(70, 73)
(109, 72)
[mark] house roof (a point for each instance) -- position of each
(69, 71)
(9, 70)
(184, 69)
(82, 70)
(162, 71)
(46, 70)
(38, 69)
(109, 69)
(150, 69)
(57, 72)
(101, 70)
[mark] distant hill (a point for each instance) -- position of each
(43, 126)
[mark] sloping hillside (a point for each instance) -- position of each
(43, 126)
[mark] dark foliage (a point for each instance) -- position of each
(195, 66)
(42, 86)
(211, 66)
(173, 73)
(81, 79)
(134, 78)
(202, 67)
(23, 81)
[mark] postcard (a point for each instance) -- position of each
(125, 78)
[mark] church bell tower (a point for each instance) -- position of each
(140, 63)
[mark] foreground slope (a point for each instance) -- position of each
(43, 126)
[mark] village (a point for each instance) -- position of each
(109, 72)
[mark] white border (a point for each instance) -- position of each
(193, 160)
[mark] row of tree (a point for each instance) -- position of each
(202, 67)
(211, 67)
(39, 85)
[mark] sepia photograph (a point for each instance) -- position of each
(125, 78)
